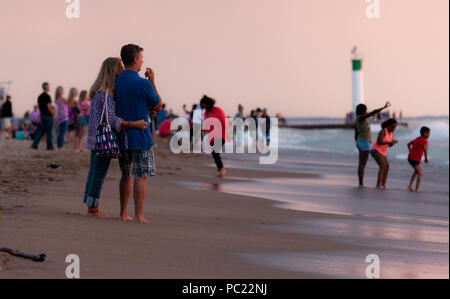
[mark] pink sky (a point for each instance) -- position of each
(291, 56)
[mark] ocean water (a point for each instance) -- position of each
(342, 141)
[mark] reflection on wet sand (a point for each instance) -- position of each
(409, 233)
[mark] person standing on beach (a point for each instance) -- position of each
(153, 117)
(212, 111)
(6, 116)
(135, 96)
(267, 118)
(98, 167)
(62, 115)
(161, 115)
(363, 136)
(83, 110)
(35, 117)
(378, 150)
(417, 148)
(72, 111)
(239, 134)
(47, 112)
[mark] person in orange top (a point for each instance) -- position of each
(378, 151)
(417, 148)
(211, 111)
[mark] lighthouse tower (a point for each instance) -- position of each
(357, 80)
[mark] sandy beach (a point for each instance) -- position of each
(205, 227)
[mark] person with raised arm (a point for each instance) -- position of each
(363, 136)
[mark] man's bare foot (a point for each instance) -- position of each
(96, 213)
(222, 173)
(417, 190)
(126, 218)
(379, 187)
(410, 188)
(361, 187)
(142, 220)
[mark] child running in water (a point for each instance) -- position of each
(417, 148)
(378, 151)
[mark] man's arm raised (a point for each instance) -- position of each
(150, 75)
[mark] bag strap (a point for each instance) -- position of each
(105, 107)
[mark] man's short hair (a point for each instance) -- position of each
(129, 53)
(8, 97)
(44, 85)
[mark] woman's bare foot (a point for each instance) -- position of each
(96, 213)
(222, 173)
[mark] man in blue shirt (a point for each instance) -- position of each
(135, 96)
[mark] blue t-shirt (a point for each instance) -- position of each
(162, 116)
(134, 96)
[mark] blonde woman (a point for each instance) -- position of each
(62, 115)
(73, 114)
(98, 168)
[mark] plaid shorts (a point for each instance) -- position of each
(143, 163)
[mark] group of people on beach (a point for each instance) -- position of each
(69, 116)
(206, 109)
(385, 139)
(256, 114)
(121, 99)
(132, 106)
(129, 104)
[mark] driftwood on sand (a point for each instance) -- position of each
(34, 257)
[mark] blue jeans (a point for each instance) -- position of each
(46, 128)
(98, 169)
(61, 133)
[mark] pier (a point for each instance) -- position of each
(325, 126)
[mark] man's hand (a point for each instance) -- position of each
(426, 160)
(387, 105)
(150, 74)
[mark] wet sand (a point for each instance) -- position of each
(201, 226)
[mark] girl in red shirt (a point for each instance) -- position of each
(211, 111)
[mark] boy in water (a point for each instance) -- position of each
(417, 148)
